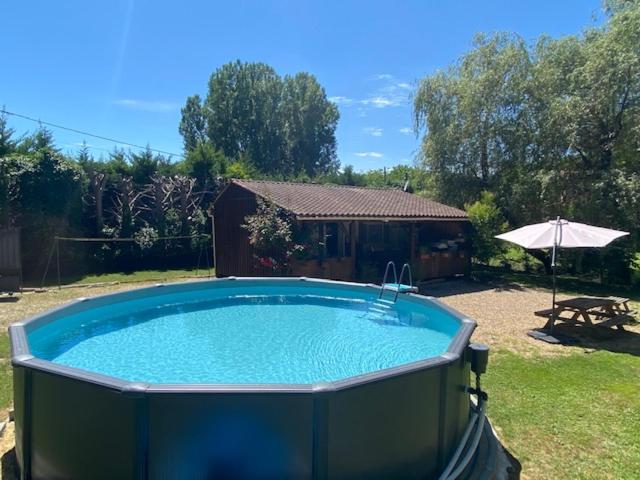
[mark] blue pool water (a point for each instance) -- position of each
(245, 335)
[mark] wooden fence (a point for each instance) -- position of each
(10, 262)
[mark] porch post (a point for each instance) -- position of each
(354, 229)
(412, 235)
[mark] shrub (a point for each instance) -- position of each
(635, 268)
(487, 221)
(271, 236)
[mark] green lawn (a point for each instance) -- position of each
(144, 276)
(574, 416)
(568, 416)
(128, 277)
(6, 385)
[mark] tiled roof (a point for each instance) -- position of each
(314, 200)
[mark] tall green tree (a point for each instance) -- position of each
(241, 110)
(309, 121)
(279, 127)
(193, 125)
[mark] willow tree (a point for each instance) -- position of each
(474, 117)
(587, 103)
(550, 129)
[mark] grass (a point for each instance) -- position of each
(575, 416)
(6, 384)
(569, 416)
(143, 276)
(128, 277)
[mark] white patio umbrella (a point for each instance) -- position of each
(560, 233)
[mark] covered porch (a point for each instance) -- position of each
(359, 249)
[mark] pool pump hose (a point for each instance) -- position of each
(479, 358)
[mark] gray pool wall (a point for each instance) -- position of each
(402, 422)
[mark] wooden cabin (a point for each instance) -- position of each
(350, 233)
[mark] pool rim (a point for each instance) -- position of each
(21, 355)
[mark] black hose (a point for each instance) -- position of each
(477, 420)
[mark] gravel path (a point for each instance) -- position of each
(504, 314)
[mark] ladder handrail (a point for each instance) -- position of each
(406, 267)
(386, 272)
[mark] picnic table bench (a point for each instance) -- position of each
(590, 311)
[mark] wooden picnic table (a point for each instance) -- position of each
(609, 311)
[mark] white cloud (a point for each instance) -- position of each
(340, 100)
(390, 92)
(406, 130)
(369, 154)
(379, 102)
(373, 131)
(383, 76)
(154, 106)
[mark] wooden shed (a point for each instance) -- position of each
(349, 233)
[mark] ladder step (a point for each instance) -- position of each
(386, 306)
(377, 310)
(382, 300)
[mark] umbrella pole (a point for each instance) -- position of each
(553, 301)
(553, 274)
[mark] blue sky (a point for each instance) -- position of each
(123, 68)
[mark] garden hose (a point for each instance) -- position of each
(479, 355)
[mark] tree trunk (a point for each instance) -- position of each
(98, 183)
(484, 161)
(545, 258)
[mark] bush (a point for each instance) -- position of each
(271, 235)
(635, 268)
(487, 221)
(517, 259)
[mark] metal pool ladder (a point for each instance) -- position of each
(397, 286)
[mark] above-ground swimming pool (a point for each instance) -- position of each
(241, 378)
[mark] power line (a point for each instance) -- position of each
(61, 127)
